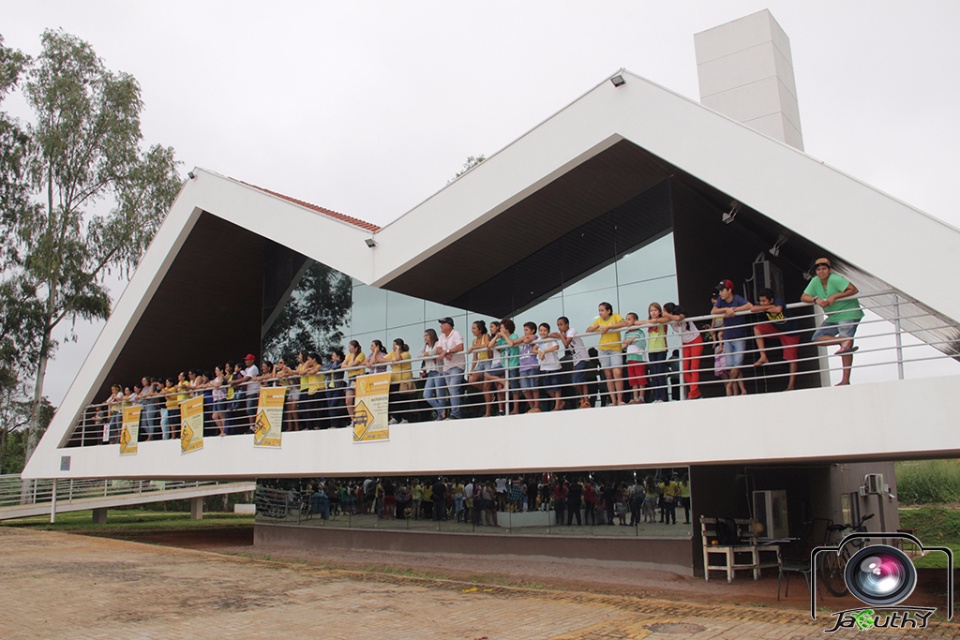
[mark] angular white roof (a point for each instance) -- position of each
(868, 230)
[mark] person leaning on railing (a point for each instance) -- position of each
(635, 345)
(481, 361)
(431, 370)
(495, 373)
(581, 359)
(402, 388)
(111, 431)
(691, 347)
(451, 348)
(548, 351)
(734, 343)
(830, 291)
(609, 350)
(780, 327)
(354, 366)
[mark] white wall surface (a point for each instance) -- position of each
(877, 421)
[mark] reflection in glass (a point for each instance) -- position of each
(607, 503)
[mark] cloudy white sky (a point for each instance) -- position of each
(369, 107)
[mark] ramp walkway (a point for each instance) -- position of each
(23, 499)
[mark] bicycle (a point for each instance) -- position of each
(833, 565)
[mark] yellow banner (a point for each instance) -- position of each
(269, 417)
(130, 432)
(191, 424)
(370, 408)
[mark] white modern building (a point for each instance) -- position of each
(630, 194)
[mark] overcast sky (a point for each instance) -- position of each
(368, 108)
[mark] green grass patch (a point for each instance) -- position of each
(928, 481)
(937, 525)
(131, 522)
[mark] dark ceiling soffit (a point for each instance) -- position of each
(595, 187)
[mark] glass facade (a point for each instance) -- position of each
(630, 282)
(607, 503)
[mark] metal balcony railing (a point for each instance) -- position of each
(885, 350)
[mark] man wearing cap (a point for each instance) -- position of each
(450, 349)
(249, 387)
(827, 290)
(734, 334)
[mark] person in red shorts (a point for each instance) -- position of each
(778, 327)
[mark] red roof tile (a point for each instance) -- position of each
(357, 222)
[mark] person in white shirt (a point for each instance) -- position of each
(249, 387)
(581, 359)
(450, 349)
(548, 351)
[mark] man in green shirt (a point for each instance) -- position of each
(831, 291)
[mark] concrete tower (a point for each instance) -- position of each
(746, 72)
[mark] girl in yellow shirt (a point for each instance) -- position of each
(609, 350)
(401, 381)
(354, 366)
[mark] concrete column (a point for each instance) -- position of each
(746, 73)
(53, 503)
(100, 516)
(196, 508)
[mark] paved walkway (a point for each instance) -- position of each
(63, 586)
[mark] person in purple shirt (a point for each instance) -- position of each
(734, 333)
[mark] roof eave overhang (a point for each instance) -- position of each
(813, 200)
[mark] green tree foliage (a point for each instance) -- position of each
(79, 157)
(314, 317)
(14, 419)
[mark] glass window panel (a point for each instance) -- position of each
(581, 309)
(600, 279)
(404, 310)
(547, 311)
(412, 334)
(637, 297)
(436, 311)
(369, 310)
(655, 260)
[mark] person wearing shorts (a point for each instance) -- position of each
(609, 350)
(510, 357)
(832, 292)
(734, 343)
(581, 359)
(778, 327)
(635, 343)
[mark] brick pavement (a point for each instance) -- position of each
(57, 586)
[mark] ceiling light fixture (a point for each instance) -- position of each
(731, 215)
(775, 249)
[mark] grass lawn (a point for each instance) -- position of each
(934, 524)
(133, 521)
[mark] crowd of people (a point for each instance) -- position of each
(538, 368)
(479, 500)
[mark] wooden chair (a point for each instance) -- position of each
(736, 557)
